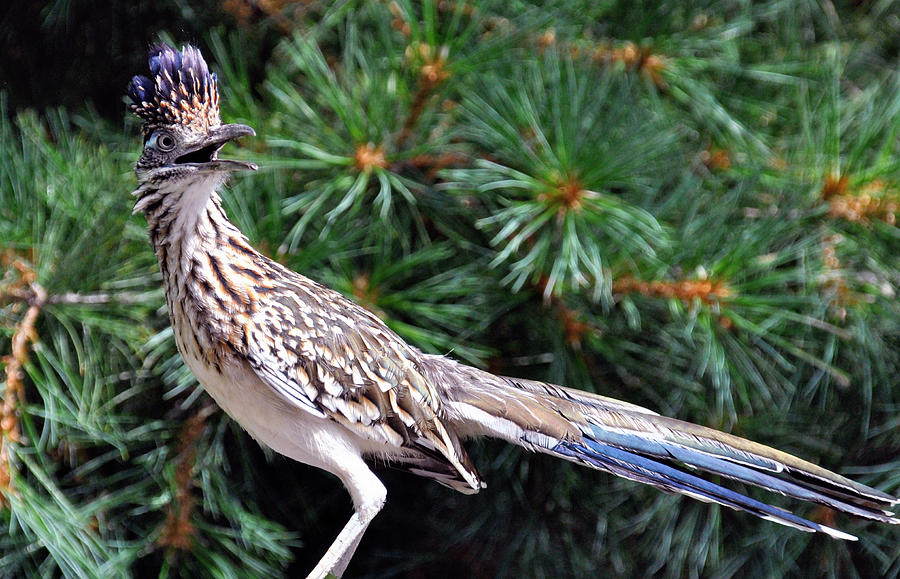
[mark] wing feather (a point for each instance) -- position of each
(335, 360)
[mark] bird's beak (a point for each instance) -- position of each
(204, 154)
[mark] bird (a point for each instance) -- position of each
(321, 380)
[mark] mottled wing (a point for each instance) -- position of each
(332, 358)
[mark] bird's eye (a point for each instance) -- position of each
(164, 141)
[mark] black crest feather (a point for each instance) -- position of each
(179, 91)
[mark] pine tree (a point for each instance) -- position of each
(690, 207)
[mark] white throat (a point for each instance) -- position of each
(182, 207)
(191, 216)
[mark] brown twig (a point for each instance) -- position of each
(433, 72)
(874, 200)
(96, 299)
(833, 278)
(684, 290)
(633, 58)
(575, 328)
(246, 11)
(432, 164)
(24, 290)
(178, 530)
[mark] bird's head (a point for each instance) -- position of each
(179, 104)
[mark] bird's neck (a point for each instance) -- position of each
(208, 266)
(185, 215)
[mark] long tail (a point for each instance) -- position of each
(640, 445)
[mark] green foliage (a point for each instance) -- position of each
(553, 189)
(690, 206)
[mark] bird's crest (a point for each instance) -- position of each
(180, 91)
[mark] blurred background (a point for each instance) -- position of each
(687, 205)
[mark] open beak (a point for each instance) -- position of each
(204, 154)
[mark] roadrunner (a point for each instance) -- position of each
(321, 380)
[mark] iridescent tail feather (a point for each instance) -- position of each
(640, 445)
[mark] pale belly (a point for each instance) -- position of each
(271, 420)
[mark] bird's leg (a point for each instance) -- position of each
(340, 552)
(368, 497)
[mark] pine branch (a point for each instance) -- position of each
(24, 334)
